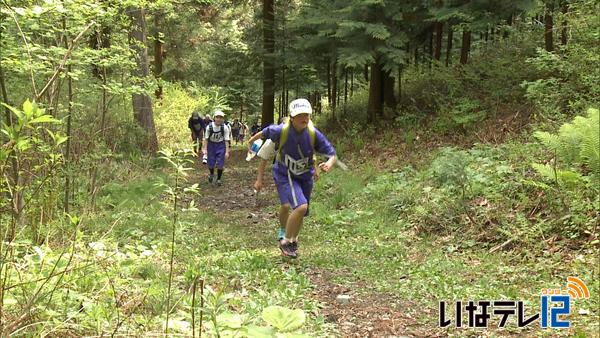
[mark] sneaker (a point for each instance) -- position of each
(211, 178)
(280, 234)
(219, 183)
(286, 250)
(294, 246)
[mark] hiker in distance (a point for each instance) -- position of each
(197, 125)
(216, 147)
(296, 143)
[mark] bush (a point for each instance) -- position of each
(569, 77)
(175, 108)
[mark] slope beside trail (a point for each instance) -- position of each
(369, 313)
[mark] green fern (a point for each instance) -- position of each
(564, 177)
(577, 145)
(590, 143)
(551, 141)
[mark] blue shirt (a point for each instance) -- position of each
(298, 148)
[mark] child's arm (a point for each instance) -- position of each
(204, 146)
(205, 142)
(254, 138)
(261, 172)
(326, 166)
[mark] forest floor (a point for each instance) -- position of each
(368, 313)
(394, 277)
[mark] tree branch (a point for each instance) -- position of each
(26, 47)
(64, 61)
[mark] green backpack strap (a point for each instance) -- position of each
(285, 130)
(283, 138)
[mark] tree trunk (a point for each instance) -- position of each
(287, 101)
(8, 115)
(69, 124)
(283, 90)
(268, 102)
(400, 82)
(329, 82)
(367, 73)
(345, 88)
(564, 32)
(388, 90)
(417, 56)
(142, 105)
(375, 108)
(509, 22)
(158, 53)
(334, 87)
(352, 82)
(449, 45)
(99, 41)
(466, 46)
(430, 45)
(242, 111)
(319, 107)
(439, 30)
(284, 106)
(548, 26)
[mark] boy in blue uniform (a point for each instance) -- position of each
(216, 147)
(297, 143)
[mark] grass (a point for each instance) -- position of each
(375, 244)
(355, 231)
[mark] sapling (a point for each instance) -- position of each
(180, 162)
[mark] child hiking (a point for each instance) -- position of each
(216, 147)
(297, 142)
(196, 125)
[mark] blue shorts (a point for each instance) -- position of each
(293, 191)
(216, 155)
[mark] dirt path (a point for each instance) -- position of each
(368, 314)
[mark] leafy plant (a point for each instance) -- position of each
(178, 161)
(575, 150)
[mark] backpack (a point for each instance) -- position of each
(312, 134)
(211, 131)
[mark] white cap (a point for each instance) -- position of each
(219, 113)
(300, 106)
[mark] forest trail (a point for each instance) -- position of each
(368, 314)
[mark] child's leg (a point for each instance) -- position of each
(306, 188)
(211, 158)
(284, 214)
(220, 159)
(294, 222)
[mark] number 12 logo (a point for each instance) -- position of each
(565, 309)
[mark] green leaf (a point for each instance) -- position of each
(22, 144)
(284, 319)
(10, 301)
(44, 119)
(28, 108)
(291, 335)
(231, 320)
(14, 110)
(377, 31)
(253, 331)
